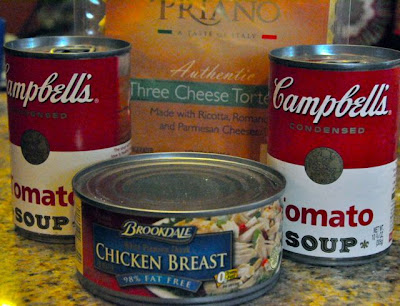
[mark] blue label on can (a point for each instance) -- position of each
(179, 282)
(172, 256)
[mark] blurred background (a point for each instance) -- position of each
(28, 18)
(372, 22)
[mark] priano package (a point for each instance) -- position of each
(200, 68)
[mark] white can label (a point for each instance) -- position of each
(42, 194)
(338, 220)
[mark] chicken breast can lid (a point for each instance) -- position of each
(178, 184)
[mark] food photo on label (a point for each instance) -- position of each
(180, 228)
(336, 107)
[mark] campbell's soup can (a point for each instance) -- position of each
(68, 106)
(333, 119)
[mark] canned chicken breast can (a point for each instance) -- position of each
(333, 134)
(68, 107)
(178, 228)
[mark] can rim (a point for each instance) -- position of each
(149, 212)
(27, 47)
(290, 56)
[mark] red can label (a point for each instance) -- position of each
(333, 134)
(63, 115)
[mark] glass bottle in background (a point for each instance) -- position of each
(89, 17)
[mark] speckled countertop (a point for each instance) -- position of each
(33, 273)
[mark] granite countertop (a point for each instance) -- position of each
(34, 273)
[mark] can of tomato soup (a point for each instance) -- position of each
(333, 119)
(68, 107)
(178, 228)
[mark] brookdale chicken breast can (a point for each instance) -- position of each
(178, 228)
(68, 107)
(333, 133)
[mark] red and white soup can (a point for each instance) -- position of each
(333, 131)
(68, 107)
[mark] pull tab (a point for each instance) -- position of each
(74, 49)
(335, 60)
(343, 62)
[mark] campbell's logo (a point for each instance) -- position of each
(212, 13)
(174, 234)
(75, 91)
(373, 104)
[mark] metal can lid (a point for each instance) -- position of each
(178, 184)
(67, 47)
(336, 57)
